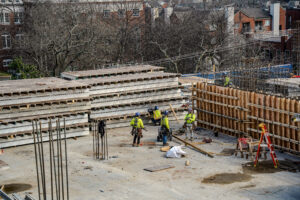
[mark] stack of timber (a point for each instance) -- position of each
(23, 101)
(237, 112)
(118, 93)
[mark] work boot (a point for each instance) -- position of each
(133, 144)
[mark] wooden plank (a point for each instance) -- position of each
(174, 113)
(195, 147)
(158, 168)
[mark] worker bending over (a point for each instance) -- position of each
(156, 115)
(189, 122)
(165, 128)
(137, 126)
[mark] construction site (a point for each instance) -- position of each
(71, 138)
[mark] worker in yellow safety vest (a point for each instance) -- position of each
(189, 123)
(227, 81)
(165, 127)
(137, 126)
(156, 115)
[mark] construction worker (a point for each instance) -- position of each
(227, 81)
(189, 123)
(165, 128)
(156, 115)
(137, 126)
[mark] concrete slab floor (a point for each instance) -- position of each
(123, 177)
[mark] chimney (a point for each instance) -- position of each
(275, 12)
(229, 14)
(167, 13)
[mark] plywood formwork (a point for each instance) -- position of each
(236, 112)
(73, 75)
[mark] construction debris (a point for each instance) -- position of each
(159, 168)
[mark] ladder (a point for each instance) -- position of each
(265, 136)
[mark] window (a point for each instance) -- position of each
(121, 12)
(237, 26)
(258, 25)
(19, 40)
(18, 16)
(106, 13)
(6, 62)
(136, 12)
(6, 42)
(2, 1)
(4, 17)
(267, 23)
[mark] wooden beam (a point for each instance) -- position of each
(174, 113)
(195, 147)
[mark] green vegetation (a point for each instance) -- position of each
(22, 70)
(4, 74)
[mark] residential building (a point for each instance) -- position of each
(11, 19)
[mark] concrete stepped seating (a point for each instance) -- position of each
(73, 75)
(22, 101)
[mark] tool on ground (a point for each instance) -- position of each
(100, 145)
(265, 137)
(58, 165)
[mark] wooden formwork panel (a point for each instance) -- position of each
(235, 112)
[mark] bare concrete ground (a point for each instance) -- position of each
(123, 177)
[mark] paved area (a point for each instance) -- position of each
(123, 177)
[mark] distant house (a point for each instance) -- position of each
(252, 20)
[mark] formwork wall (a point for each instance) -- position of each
(236, 112)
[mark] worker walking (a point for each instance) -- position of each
(137, 126)
(165, 127)
(189, 122)
(156, 115)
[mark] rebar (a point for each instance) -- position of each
(56, 167)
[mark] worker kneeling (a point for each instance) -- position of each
(137, 126)
(165, 127)
(156, 115)
(189, 123)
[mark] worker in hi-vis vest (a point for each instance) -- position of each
(165, 127)
(189, 123)
(137, 126)
(156, 115)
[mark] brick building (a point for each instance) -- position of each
(11, 18)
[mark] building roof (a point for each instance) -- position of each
(256, 13)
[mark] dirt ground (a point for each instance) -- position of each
(123, 175)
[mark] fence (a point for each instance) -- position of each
(236, 112)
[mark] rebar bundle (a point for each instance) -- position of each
(58, 165)
(100, 145)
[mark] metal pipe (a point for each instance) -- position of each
(50, 156)
(54, 164)
(61, 163)
(39, 155)
(43, 163)
(58, 160)
(36, 161)
(66, 158)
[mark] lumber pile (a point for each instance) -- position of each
(118, 93)
(23, 101)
